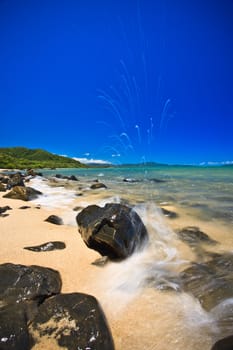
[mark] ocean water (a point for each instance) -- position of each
(206, 192)
(144, 292)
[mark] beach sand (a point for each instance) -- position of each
(139, 318)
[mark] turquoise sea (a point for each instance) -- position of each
(206, 191)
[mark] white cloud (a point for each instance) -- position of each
(91, 161)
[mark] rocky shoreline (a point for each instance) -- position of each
(115, 231)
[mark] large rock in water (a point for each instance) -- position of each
(74, 321)
(23, 193)
(115, 230)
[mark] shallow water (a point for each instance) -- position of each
(143, 292)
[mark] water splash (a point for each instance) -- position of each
(155, 264)
(138, 118)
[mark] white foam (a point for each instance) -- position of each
(156, 262)
(52, 197)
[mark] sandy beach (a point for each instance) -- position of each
(139, 317)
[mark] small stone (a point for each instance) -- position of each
(54, 219)
(47, 247)
(98, 185)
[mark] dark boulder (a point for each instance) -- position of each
(192, 235)
(21, 283)
(98, 185)
(54, 219)
(224, 344)
(74, 321)
(15, 180)
(24, 207)
(47, 247)
(210, 282)
(22, 290)
(114, 231)
(13, 328)
(73, 178)
(23, 193)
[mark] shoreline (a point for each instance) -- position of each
(133, 312)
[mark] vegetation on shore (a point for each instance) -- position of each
(24, 158)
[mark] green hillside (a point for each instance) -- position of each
(24, 158)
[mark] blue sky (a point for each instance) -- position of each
(123, 81)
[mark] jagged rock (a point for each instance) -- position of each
(210, 282)
(54, 219)
(47, 247)
(74, 321)
(98, 185)
(170, 214)
(224, 344)
(193, 235)
(115, 230)
(23, 193)
(20, 283)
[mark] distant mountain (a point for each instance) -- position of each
(24, 158)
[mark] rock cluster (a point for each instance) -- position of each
(32, 310)
(16, 184)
